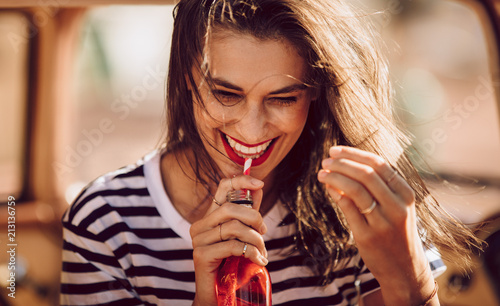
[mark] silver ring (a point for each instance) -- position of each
(244, 249)
(393, 175)
(369, 209)
(216, 202)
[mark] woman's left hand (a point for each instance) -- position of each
(379, 206)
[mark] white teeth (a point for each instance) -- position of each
(237, 147)
(244, 151)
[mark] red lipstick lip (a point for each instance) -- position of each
(240, 160)
(246, 144)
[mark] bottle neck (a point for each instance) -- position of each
(242, 197)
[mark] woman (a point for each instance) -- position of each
(340, 214)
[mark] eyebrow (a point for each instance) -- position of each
(287, 89)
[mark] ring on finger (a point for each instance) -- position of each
(393, 175)
(216, 202)
(369, 209)
(244, 249)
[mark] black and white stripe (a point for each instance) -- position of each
(124, 244)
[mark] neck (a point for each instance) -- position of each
(187, 195)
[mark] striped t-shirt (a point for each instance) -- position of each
(126, 244)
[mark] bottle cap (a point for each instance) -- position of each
(242, 197)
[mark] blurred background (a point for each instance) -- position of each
(82, 92)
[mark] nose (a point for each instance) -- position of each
(254, 122)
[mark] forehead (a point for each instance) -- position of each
(247, 61)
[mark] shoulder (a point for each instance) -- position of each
(117, 193)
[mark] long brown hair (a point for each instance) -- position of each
(353, 108)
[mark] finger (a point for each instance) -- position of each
(398, 184)
(236, 230)
(237, 182)
(334, 193)
(245, 182)
(362, 228)
(257, 199)
(251, 252)
(393, 180)
(376, 162)
(357, 222)
(219, 198)
(351, 190)
(241, 182)
(231, 230)
(227, 212)
(219, 251)
(366, 183)
(363, 185)
(214, 235)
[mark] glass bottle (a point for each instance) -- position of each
(240, 282)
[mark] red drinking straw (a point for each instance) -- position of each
(246, 171)
(247, 165)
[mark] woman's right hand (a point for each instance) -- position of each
(223, 232)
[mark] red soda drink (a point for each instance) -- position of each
(240, 282)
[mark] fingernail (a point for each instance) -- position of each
(263, 260)
(322, 174)
(336, 196)
(256, 182)
(263, 229)
(335, 150)
(327, 162)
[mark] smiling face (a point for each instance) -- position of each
(257, 104)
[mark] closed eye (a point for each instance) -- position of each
(226, 97)
(284, 100)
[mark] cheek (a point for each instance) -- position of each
(211, 115)
(295, 120)
(198, 114)
(204, 123)
(203, 116)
